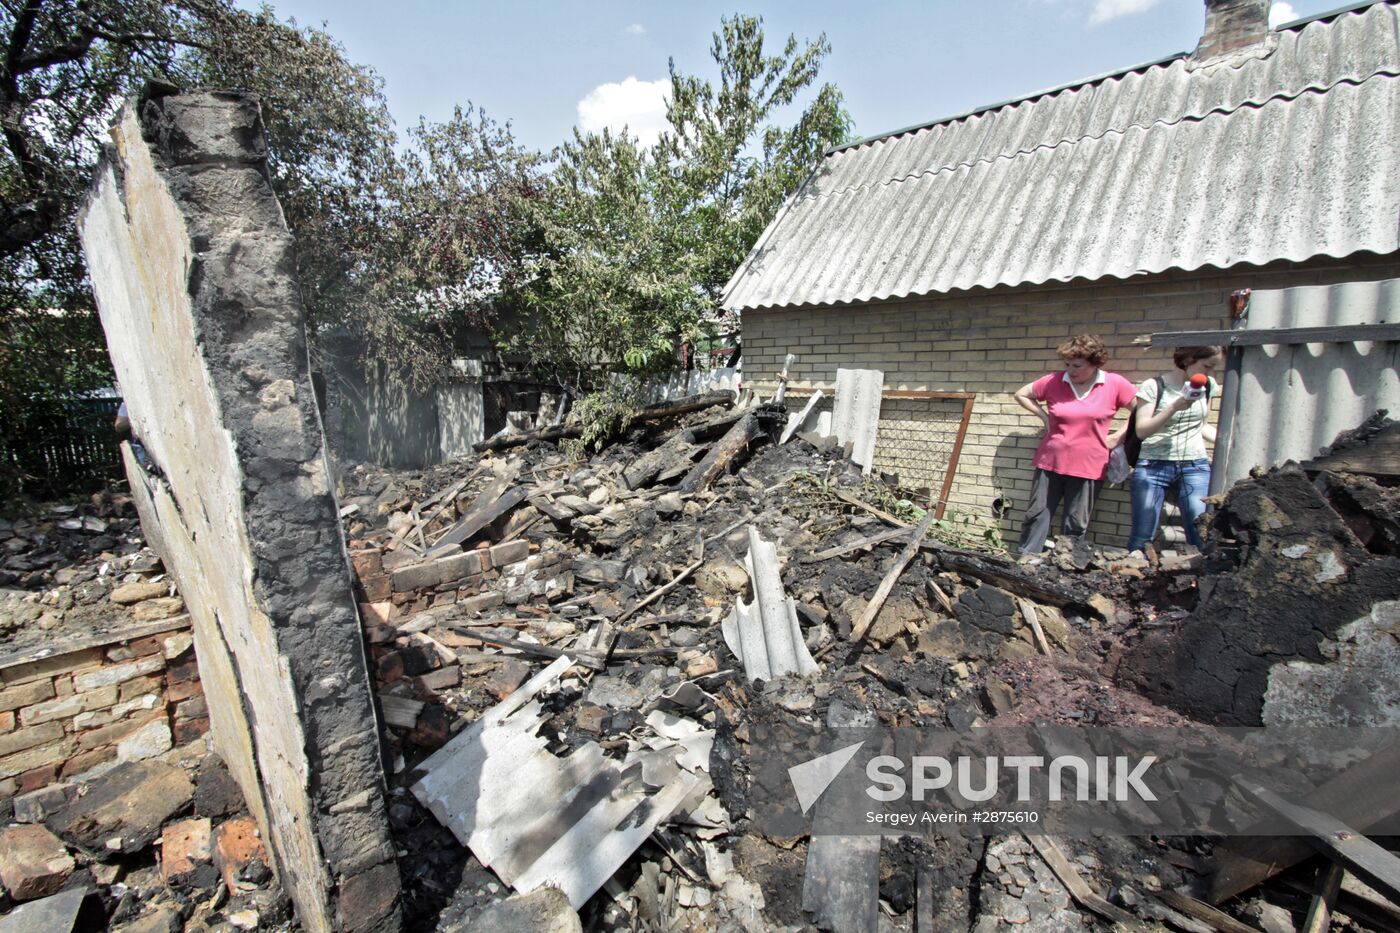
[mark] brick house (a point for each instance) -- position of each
(956, 255)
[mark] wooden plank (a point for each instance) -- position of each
(482, 513)
(1015, 581)
(896, 570)
(1078, 888)
(1329, 885)
(1199, 910)
(862, 544)
(1363, 796)
(1337, 840)
(1266, 336)
(1028, 613)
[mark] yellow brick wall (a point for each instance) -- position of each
(994, 341)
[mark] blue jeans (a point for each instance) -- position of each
(1151, 480)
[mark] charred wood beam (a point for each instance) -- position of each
(657, 412)
(753, 425)
(1015, 581)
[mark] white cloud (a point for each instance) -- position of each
(1105, 10)
(636, 29)
(1281, 13)
(638, 105)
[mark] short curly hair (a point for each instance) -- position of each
(1085, 347)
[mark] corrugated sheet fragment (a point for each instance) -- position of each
(536, 819)
(1288, 157)
(855, 416)
(1293, 400)
(764, 635)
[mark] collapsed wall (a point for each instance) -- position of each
(1297, 622)
(192, 265)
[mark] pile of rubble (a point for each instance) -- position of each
(570, 692)
(79, 570)
(152, 846)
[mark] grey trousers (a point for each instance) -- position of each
(1047, 489)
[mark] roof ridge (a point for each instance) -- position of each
(1281, 97)
(1143, 67)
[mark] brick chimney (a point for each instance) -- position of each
(1232, 25)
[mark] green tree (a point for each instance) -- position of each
(640, 241)
(65, 65)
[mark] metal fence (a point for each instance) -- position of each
(919, 440)
(63, 446)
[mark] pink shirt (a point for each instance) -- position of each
(1075, 443)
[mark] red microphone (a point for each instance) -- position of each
(1197, 384)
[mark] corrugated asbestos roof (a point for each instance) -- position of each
(1288, 157)
(1292, 400)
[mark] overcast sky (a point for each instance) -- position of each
(547, 66)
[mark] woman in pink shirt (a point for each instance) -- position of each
(1077, 406)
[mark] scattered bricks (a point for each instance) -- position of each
(379, 634)
(375, 588)
(480, 603)
(435, 681)
(186, 853)
(367, 563)
(183, 691)
(140, 687)
(153, 610)
(508, 674)
(117, 673)
(33, 862)
(430, 574)
(18, 741)
(85, 761)
(38, 777)
(7, 721)
(389, 668)
(193, 708)
(509, 553)
(419, 659)
(190, 729)
(128, 594)
(26, 695)
(36, 805)
(125, 807)
(445, 599)
(380, 613)
(174, 646)
(50, 666)
(147, 742)
(68, 707)
(434, 727)
(236, 843)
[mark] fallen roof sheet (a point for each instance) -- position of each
(536, 819)
(764, 635)
(1292, 156)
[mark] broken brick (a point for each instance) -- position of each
(186, 855)
(33, 862)
(236, 843)
(86, 761)
(433, 728)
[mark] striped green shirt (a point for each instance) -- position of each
(1180, 438)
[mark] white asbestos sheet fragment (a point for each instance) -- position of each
(764, 635)
(534, 818)
(856, 412)
(798, 420)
